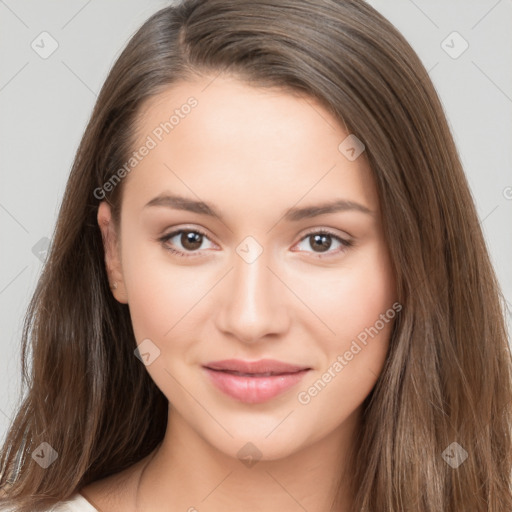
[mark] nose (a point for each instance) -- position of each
(252, 302)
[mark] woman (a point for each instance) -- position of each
(268, 288)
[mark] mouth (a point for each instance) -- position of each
(242, 374)
(254, 382)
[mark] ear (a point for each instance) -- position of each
(112, 252)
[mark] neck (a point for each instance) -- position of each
(187, 473)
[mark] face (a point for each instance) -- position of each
(260, 271)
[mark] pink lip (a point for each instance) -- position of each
(254, 381)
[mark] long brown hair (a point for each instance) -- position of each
(447, 378)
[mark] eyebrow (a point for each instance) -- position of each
(293, 214)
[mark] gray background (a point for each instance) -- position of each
(45, 104)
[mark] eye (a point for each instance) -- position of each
(189, 239)
(322, 240)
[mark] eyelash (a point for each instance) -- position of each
(345, 243)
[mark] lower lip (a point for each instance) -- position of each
(254, 390)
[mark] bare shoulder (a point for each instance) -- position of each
(115, 493)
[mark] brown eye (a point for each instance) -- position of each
(321, 241)
(184, 242)
(191, 240)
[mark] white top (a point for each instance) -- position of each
(75, 503)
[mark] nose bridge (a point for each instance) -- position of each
(252, 300)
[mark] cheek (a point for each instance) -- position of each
(359, 309)
(160, 293)
(351, 298)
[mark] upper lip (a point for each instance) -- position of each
(262, 366)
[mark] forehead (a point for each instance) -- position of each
(219, 136)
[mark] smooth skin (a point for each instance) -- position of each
(252, 154)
